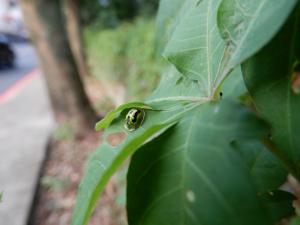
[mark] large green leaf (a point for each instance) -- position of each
(269, 78)
(107, 159)
(247, 25)
(195, 172)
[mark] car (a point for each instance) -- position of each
(7, 55)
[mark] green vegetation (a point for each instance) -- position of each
(202, 155)
(125, 54)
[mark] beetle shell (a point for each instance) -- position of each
(134, 119)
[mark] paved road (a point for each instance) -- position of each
(25, 125)
(26, 61)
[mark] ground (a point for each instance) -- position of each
(62, 172)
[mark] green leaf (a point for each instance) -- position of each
(269, 79)
(194, 173)
(104, 123)
(247, 25)
(196, 48)
(1, 196)
(107, 159)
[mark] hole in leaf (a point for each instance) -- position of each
(116, 139)
(296, 82)
(190, 196)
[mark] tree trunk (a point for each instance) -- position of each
(45, 21)
(73, 24)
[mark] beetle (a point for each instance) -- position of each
(134, 119)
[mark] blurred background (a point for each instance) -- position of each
(63, 65)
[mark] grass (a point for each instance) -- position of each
(124, 55)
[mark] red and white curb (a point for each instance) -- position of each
(18, 86)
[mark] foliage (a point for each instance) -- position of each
(125, 54)
(110, 13)
(205, 156)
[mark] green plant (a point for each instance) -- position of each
(205, 154)
(126, 55)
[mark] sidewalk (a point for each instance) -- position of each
(25, 125)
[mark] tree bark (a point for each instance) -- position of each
(73, 24)
(45, 22)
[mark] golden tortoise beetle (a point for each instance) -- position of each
(134, 119)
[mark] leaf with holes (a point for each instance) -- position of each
(269, 77)
(196, 47)
(246, 26)
(195, 173)
(108, 158)
(173, 98)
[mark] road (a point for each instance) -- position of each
(26, 124)
(26, 61)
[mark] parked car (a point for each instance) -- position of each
(7, 55)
